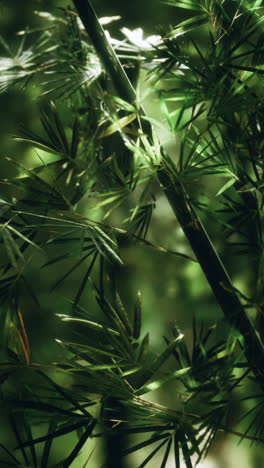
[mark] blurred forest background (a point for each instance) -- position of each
(173, 289)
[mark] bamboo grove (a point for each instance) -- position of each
(107, 150)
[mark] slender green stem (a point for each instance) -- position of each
(178, 199)
(213, 268)
(106, 54)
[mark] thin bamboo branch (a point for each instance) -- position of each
(188, 219)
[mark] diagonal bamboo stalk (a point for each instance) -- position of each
(105, 51)
(188, 219)
(213, 269)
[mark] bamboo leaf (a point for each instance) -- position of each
(70, 271)
(32, 449)
(166, 455)
(117, 126)
(10, 454)
(74, 453)
(144, 347)
(88, 323)
(186, 4)
(152, 454)
(75, 139)
(60, 129)
(147, 442)
(84, 281)
(44, 185)
(137, 317)
(23, 237)
(186, 452)
(44, 147)
(50, 131)
(156, 384)
(122, 313)
(159, 361)
(189, 25)
(18, 437)
(11, 248)
(66, 395)
(103, 243)
(47, 446)
(24, 338)
(226, 186)
(65, 429)
(176, 451)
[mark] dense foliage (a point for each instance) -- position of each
(100, 144)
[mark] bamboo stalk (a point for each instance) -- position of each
(213, 268)
(189, 221)
(104, 50)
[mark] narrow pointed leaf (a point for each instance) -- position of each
(60, 128)
(144, 347)
(117, 126)
(147, 442)
(152, 454)
(156, 384)
(159, 361)
(137, 317)
(73, 455)
(122, 313)
(166, 455)
(58, 433)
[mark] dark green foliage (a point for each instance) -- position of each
(106, 151)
